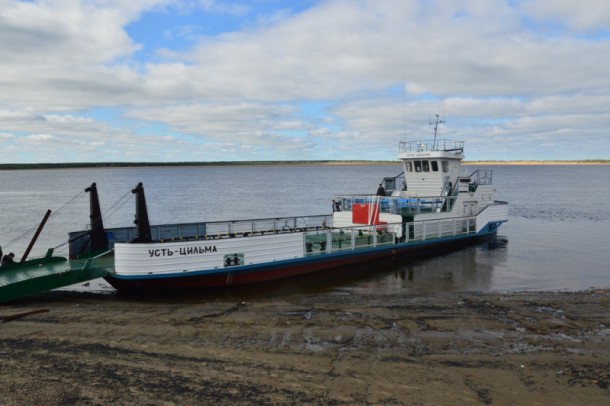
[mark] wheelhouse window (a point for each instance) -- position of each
(417, 166)
(409, 167)
(434, 166)
(445, 166)
(425, 166)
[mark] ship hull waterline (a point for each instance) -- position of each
(252, 274)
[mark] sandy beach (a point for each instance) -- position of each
(433, 349)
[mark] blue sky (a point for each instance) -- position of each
(212, 80)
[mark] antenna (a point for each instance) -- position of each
(438, 121)
(404, 115)
(404, 106)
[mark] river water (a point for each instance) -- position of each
(557, 236)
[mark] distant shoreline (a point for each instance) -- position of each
(84, 165)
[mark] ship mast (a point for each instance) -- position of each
(438, 121)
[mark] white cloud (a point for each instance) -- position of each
(40, 137)
(494, 67)
(64, 32)
(224, 7)
(582, 15)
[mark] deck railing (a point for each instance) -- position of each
(401, 205)
(205, 230)
(330, 240)
(319, 235)
(223, 229)
(430, 145)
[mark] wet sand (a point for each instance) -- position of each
(432, 349)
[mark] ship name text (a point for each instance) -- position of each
(195, 250)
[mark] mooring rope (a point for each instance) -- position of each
(62, 208)
(20, 236)
(112, 210)
(53, 214)
(122, 201)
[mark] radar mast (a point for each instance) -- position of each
(438, 121)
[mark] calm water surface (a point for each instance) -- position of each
(557, 237)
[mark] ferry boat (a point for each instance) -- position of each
(430, 204)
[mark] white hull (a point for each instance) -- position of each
(232, 252)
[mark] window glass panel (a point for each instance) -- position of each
(445, 166)
(434, 166)
(417, 166)
(426, 166)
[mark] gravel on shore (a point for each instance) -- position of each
(446, 348)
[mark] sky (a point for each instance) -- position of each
(265, 80)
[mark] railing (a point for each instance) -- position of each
(433, 229)
(262, 226)
(473, 181)
(331, 240)
(448, 188)
(205, 230)
(319, 236)
(430, 145)
(394, 183)
(402, 205)
(483, 176)
(346, 238)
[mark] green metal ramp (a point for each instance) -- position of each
(44, 274)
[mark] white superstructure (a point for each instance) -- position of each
(431, 187)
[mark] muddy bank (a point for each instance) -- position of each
(518, 348)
